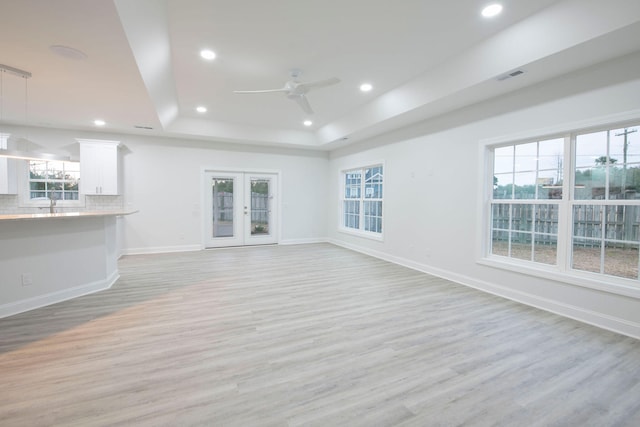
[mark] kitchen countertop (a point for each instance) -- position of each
(85, 214)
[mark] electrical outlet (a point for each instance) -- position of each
(27, 279)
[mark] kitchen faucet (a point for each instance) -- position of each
(52, 202)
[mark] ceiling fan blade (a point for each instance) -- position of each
(321, 83)
(262, 91)
(303, 102)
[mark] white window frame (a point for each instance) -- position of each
(24, 194)
(361, 232)
(561, 272)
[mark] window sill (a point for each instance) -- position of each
(364, 234)
(600, 282)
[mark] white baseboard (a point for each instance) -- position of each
(39, 301)
(303, 241)
(161, 249)
(191, 248)
(590, 317)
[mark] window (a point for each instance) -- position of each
(362, 199)
(527, 186)
(570, 203)
(606, 213)
(53, 180)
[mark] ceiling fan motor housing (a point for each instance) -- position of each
(295, 89)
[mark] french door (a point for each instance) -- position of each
(240, 209)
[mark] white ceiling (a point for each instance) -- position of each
(423, 57)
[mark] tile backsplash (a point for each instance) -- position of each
(9, 204)
(104, 203)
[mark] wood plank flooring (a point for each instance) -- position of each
(311, 335)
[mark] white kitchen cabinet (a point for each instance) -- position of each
(8, 176)
(99, 167)
(7, 169)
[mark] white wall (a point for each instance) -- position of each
(163, 180)
(431, 181)
(64, 258)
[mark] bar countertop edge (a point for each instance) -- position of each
(14, 217)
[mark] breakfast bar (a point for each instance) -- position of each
(50, 257)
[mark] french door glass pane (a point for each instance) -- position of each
(222, 191)
(259, 206)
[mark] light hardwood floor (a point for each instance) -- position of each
(311, 335)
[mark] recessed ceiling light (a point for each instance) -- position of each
(99, 122)
(492, 10)
(208, 54)
(201, 109)
(307, 123)
(366, 87)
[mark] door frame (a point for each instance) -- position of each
(277, 202)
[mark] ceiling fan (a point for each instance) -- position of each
(296, 90)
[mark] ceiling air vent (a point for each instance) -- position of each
(509, 75)
(143, 127)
